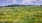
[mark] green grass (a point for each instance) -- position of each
(22, 14)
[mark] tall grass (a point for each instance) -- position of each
(22, 14)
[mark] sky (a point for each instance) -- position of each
(23, 2)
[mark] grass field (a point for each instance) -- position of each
(21, 14)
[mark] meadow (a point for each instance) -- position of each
(21, 14)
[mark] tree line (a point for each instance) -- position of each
(19, 5)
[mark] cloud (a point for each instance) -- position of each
(36, 2)
(31, 2)
(23, 2)
(5, 2)
(19, 1)
(14, 1)
(26, 2)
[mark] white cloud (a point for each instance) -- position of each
(14, 1)
(28, 2)
(23, 2)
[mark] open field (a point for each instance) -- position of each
(21, 14)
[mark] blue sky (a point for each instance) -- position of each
(23, 2)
